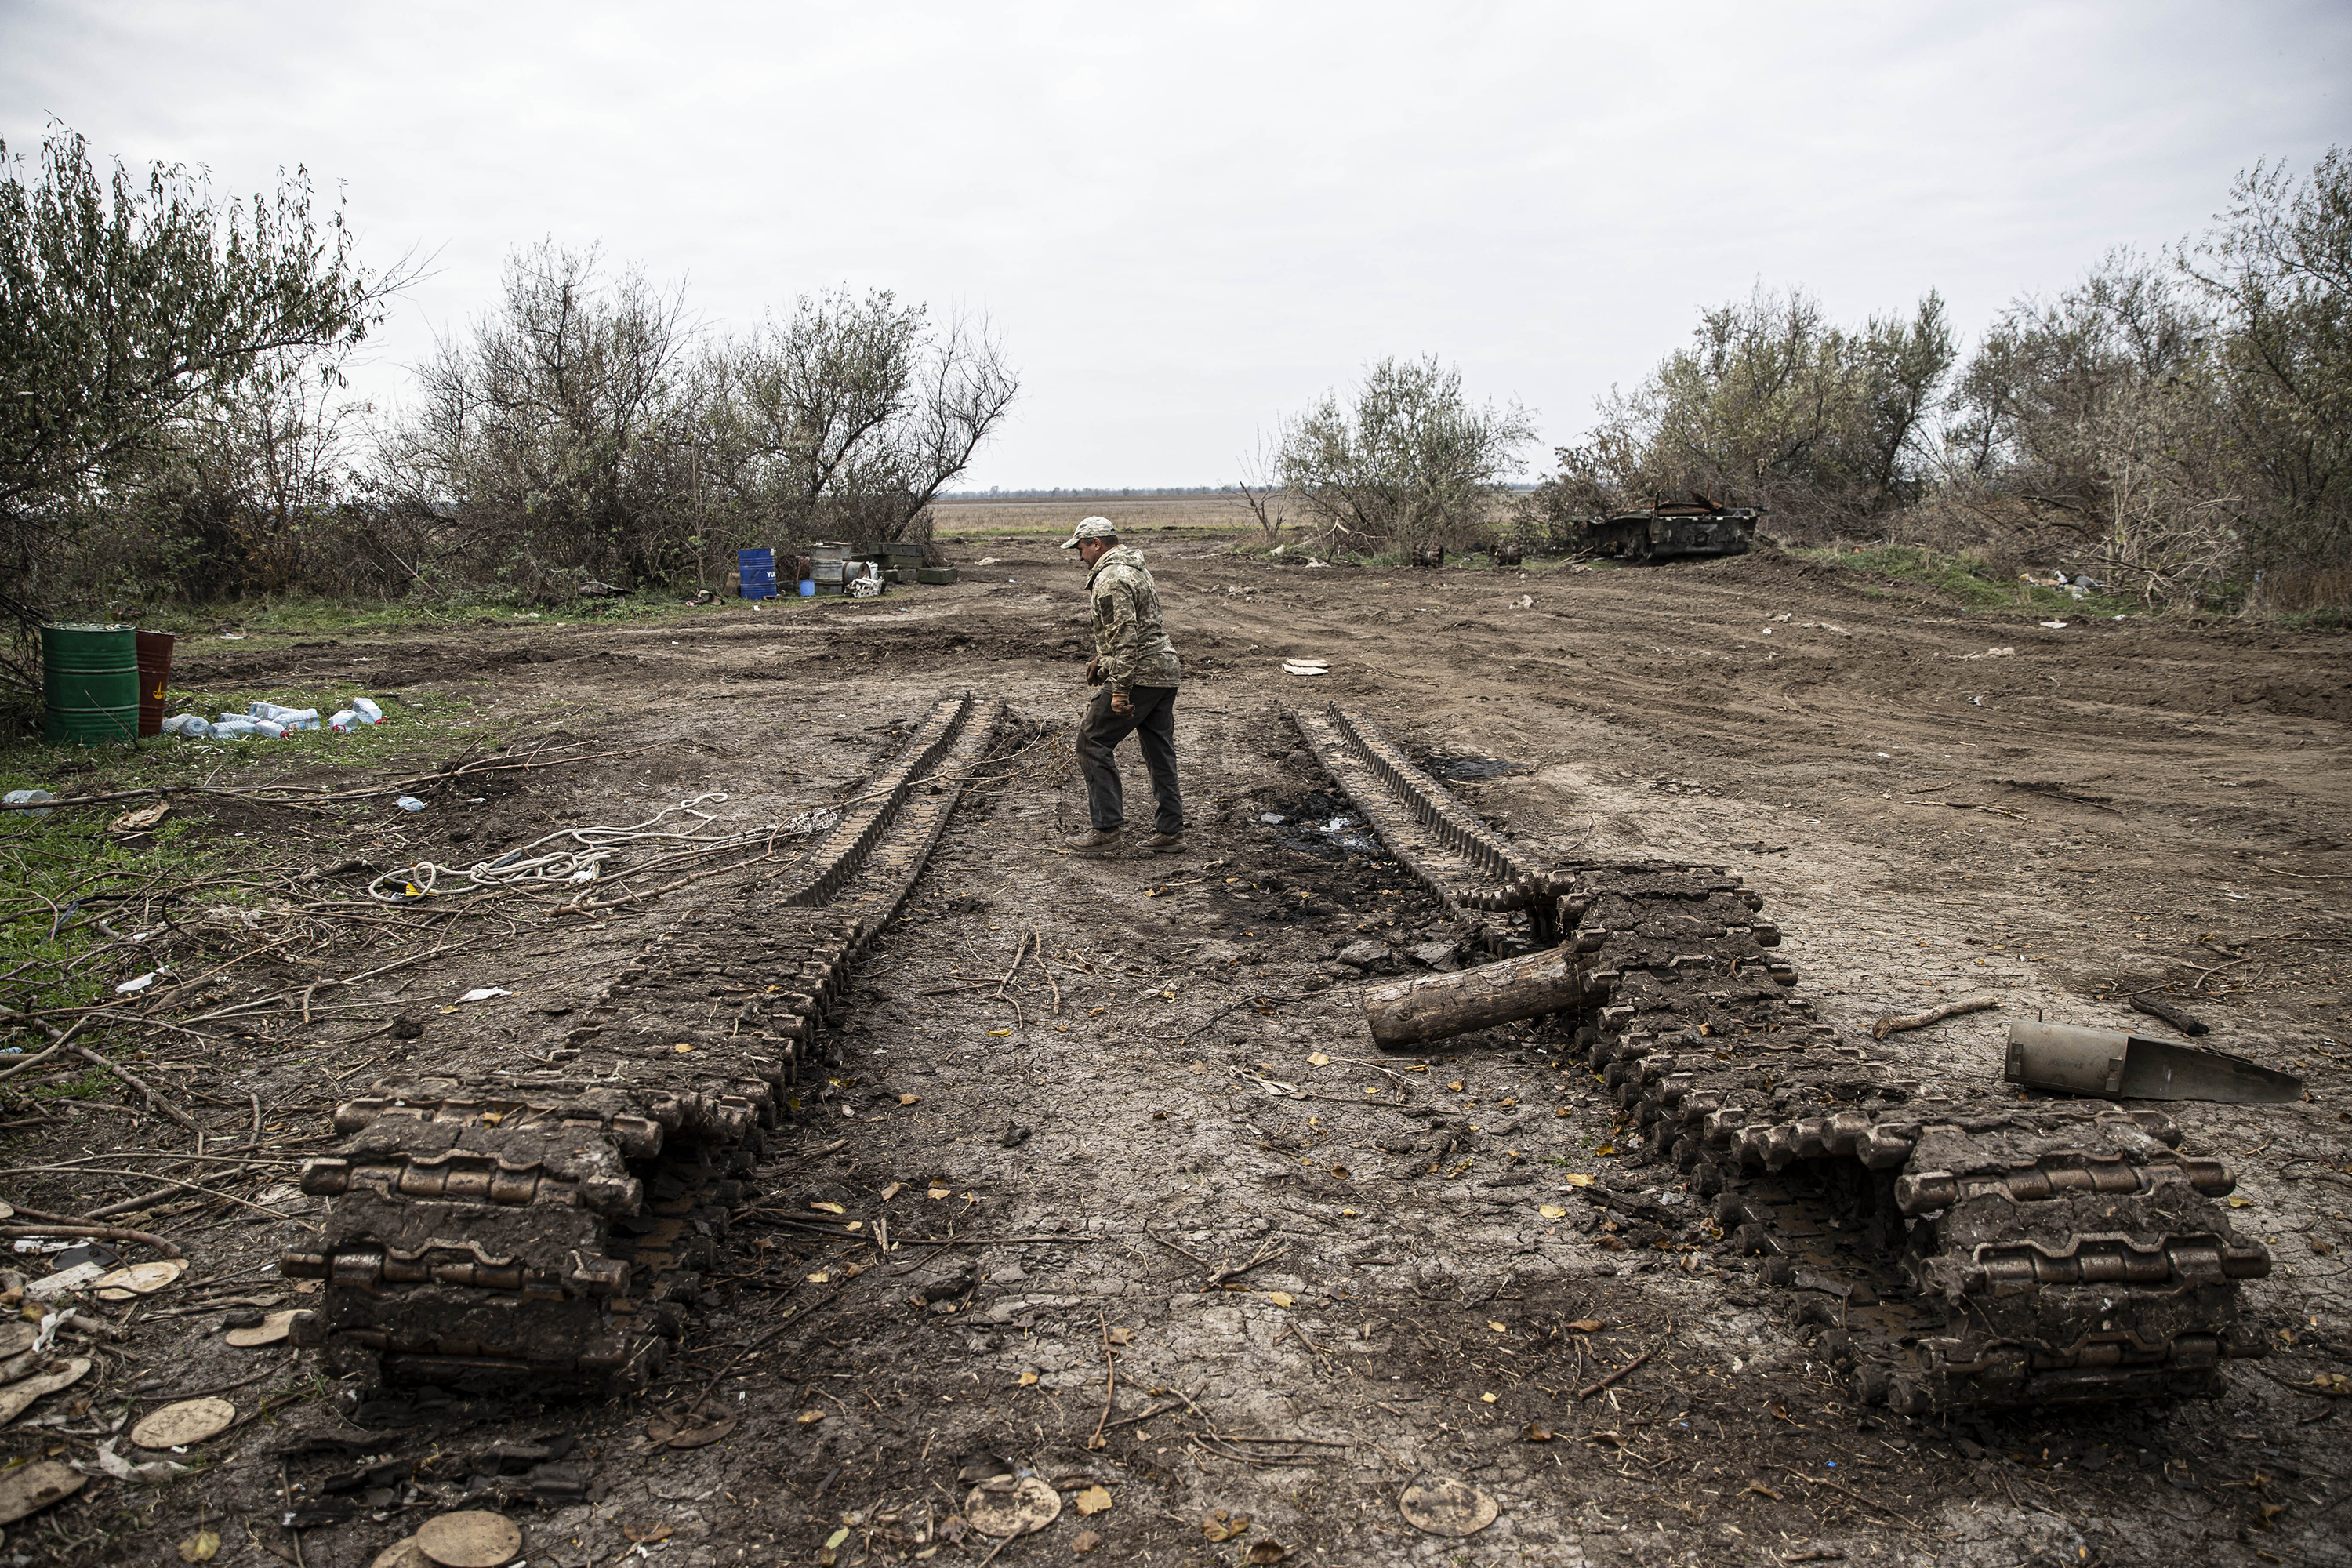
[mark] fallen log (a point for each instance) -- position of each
(1437, 1006)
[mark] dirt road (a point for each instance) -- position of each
(1120, 1117)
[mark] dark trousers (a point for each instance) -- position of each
(1153, 724)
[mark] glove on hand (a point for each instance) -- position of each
(1121, 703)
(1093, 672)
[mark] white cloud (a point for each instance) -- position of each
(1186, 219)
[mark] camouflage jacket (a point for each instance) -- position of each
(1130, 642)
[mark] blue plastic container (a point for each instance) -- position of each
(808, 588)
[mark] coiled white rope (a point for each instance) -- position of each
(590, 846)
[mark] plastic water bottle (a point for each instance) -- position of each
(233, 726)
(409, 803)
(344, 720)
(26, 798)
(187, 724)
(368, 711)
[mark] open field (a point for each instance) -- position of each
(1935, 801)
(1135, 514)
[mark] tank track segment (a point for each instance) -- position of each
(1942, 1248)
(1427, 828)
(543, 1208)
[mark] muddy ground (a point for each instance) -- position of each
(1935, 804)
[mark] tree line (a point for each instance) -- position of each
(177, 423)
(2180, 423)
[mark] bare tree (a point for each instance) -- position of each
(1261, 490)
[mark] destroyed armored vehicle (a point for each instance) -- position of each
(1695, 527)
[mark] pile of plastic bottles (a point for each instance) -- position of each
(271, 721)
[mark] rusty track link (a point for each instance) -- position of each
(523, 1212)
(1977, 1250)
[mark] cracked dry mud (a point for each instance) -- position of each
(1320, 1274)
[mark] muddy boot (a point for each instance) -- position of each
(1096, 843)
(1164, 844)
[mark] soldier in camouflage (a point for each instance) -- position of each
(1136, 671)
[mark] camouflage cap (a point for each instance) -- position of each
(1092, 528)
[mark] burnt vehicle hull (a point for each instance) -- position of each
(1672, 532)
(1940, 1245)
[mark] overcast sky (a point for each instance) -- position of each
(1187, 219)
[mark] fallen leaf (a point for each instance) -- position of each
(999, 1034)
(1760, 1490)
(1577, 1181)
(811, 1417)
(1267, 1550)
(1455, 1085)
(892, 1191)
(910, 1099)
(1498, 1328)
(836, 1537)
(1093, 1501)
(2238, 1203)
(1086, 1540)
(685, 1432)
(1279, 1297)
(1536, 1432)
(1485, 1399)
(1222, 1526)
(829, 1208)
(1605, 1149)
(940, 1193)
(1588, 1325)
(649, 1536)
(1121, 1336)
(1317, 1058)
(1028, 1379)
(201, 1547)
(820, 1278)
(1551, 1211)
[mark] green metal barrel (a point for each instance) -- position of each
(90, 684)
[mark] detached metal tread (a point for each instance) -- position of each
(1982, 1250)
(541, 1211)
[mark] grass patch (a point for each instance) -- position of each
(1968, 581)
(307, 616)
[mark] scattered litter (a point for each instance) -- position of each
(272, 1330)
(1447, 1507)
(1273, 818)
(34, 1486)
(27, 797)
(18, 1396)
(2112, 1066)
(132, 987)
(484, 993)
(2051, 626)
(232, 637)
(1992, 653)
(201, 1547)
(139, 1280)
(1004, 1507)
(188, 1421)
(1305, 666)
(122, 1470)
(1524, 602)
(475, 1539)
(409, 803)
(80, 1277)
(140, 821)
